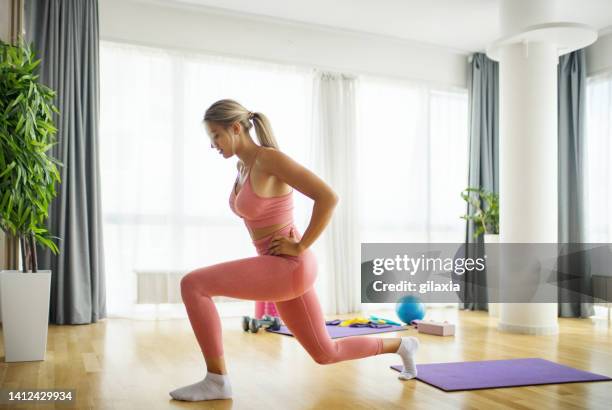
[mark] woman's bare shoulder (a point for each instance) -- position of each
(291, 172)
(267, 150)
(270, 154)
(270, 158)
(267, 155)
(273, 161)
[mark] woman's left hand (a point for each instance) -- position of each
(282, 245)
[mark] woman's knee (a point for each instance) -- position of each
(193, 281)
(323, 358)
(186, 282)
(324, 353)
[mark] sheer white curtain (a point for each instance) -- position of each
(334, 153)
(599, 153)
(165, 192)
(413, 163)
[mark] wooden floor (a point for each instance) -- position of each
(127, 364)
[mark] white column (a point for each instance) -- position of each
(528, 55)
(528, 166)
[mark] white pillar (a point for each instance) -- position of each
(528, 55)
(528, 166)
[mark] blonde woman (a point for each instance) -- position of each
(286, 268)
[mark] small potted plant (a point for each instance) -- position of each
(485, 213)
(27, 186)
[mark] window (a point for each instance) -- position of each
(413, 162)
(165, 192)
(598, 171)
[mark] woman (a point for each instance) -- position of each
(285, 270)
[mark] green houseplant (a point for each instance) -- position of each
(27, 175)
(485, 213)
(27, 186)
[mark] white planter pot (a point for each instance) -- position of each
(24, 301)
(491, 238)
(493, 307)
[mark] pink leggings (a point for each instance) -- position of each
(286, 280)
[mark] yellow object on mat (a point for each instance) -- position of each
(349, 322)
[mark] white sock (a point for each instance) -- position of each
(213, 386)
(406, 350)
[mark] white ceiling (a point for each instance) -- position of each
(462, 25)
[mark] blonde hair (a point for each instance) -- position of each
(226, 112)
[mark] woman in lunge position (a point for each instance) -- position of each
(285, 270)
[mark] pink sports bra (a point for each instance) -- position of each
(258, 211)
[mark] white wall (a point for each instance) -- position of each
(220, 32)
(599, 55)
(5, 19)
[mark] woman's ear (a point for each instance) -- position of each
(236, 128)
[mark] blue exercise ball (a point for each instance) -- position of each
(409, 308)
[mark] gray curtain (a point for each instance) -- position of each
(483, 88)
(573, 293)
(65, 36)
(9, 244)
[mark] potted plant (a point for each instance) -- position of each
(27, 186)
(485, 214)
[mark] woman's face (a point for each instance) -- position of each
(221, 138)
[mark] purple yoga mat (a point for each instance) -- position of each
(490, 374)
(344, 331)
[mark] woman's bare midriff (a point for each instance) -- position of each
(258, 233)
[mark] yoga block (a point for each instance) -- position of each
(435, 328)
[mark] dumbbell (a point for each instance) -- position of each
(246, 321)
(253, 324)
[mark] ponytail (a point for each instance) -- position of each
(263, 130)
